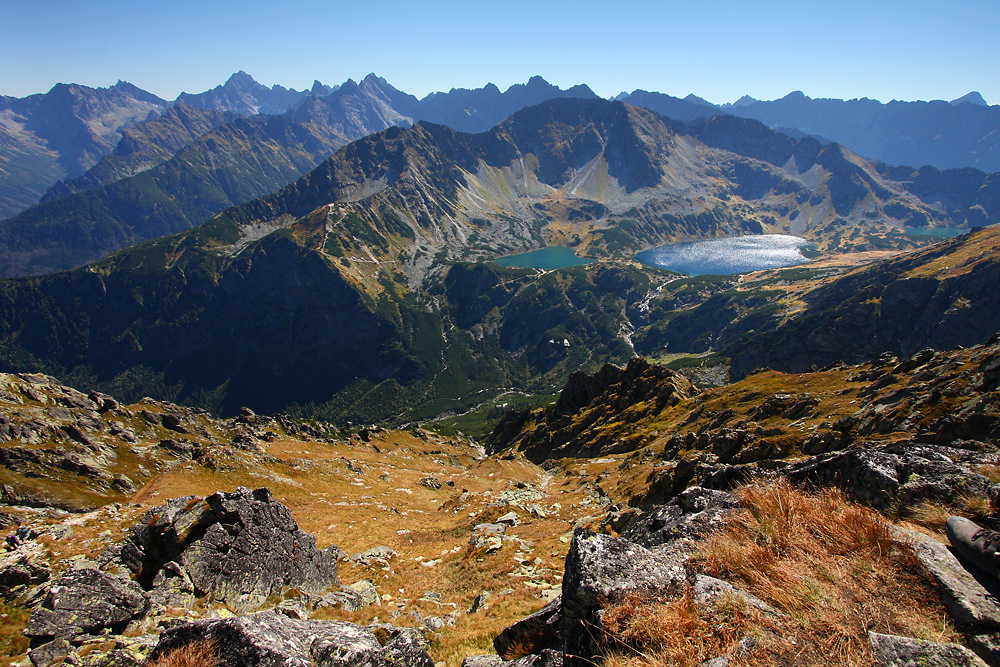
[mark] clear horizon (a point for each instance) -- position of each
(720, 51)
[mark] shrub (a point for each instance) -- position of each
(195, 654)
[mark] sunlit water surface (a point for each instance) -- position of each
(740, 254)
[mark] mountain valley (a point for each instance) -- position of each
(355, 289)
(268, 398)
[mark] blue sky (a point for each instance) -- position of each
(717, 49)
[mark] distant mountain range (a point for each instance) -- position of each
(352, 293)
(172, 172)
(62, 133)
(960, 133)
(47, 138)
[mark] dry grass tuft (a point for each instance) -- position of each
(990, 472)
(929, 514)
(195, 654)
(13, 618)
(675, 632)
(933, 515)
(830, 565)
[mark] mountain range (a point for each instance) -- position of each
(60, 134)
(173, 172)
(946, 135)
(353, 292)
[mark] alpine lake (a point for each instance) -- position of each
(728, 256)
(739, 254)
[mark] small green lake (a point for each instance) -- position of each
(546, 258)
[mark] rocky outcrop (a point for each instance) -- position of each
(19, 570)
(893, 651)
(237, 548)
(573, 426)
(533, 633)
(267, 639)
(82, 602)
(688, 516)
(649, 558)
(904, 472)
(601, 568)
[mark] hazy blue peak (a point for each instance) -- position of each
(240, 77)
(694, 99)
(970, 98)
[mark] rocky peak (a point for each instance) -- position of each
(973, 98)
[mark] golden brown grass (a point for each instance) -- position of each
(830, 565)
(384, 504)
(674, 632)
(12, 621)
(990, 472)
(194, 654)
(933, 515)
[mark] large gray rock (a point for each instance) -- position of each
(710, 593)
(481, 661)
(690, 515)
(601, 568)
(547, 658)
(86, 601)
(906, 472)
(267, 639)
(972, 598)
(893, 651)
(19, 571)
(239, 548)
(533, 633)
(49, 652)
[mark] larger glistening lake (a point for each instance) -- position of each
(552, 257)
(740, 254)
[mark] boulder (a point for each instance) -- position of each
(905, 471)
(172, 587)
(86, 601)
(18, 572)
(865, 475)
(972, 598)
(598, 569)
(431, 482)
(488, 536)
(239, 548)
(687, 516)
(380, 555)
(547, 658)
(268, 639)
(481, 661)
(709, 592)
(533, 634)
(894, 651)
(49, 652)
